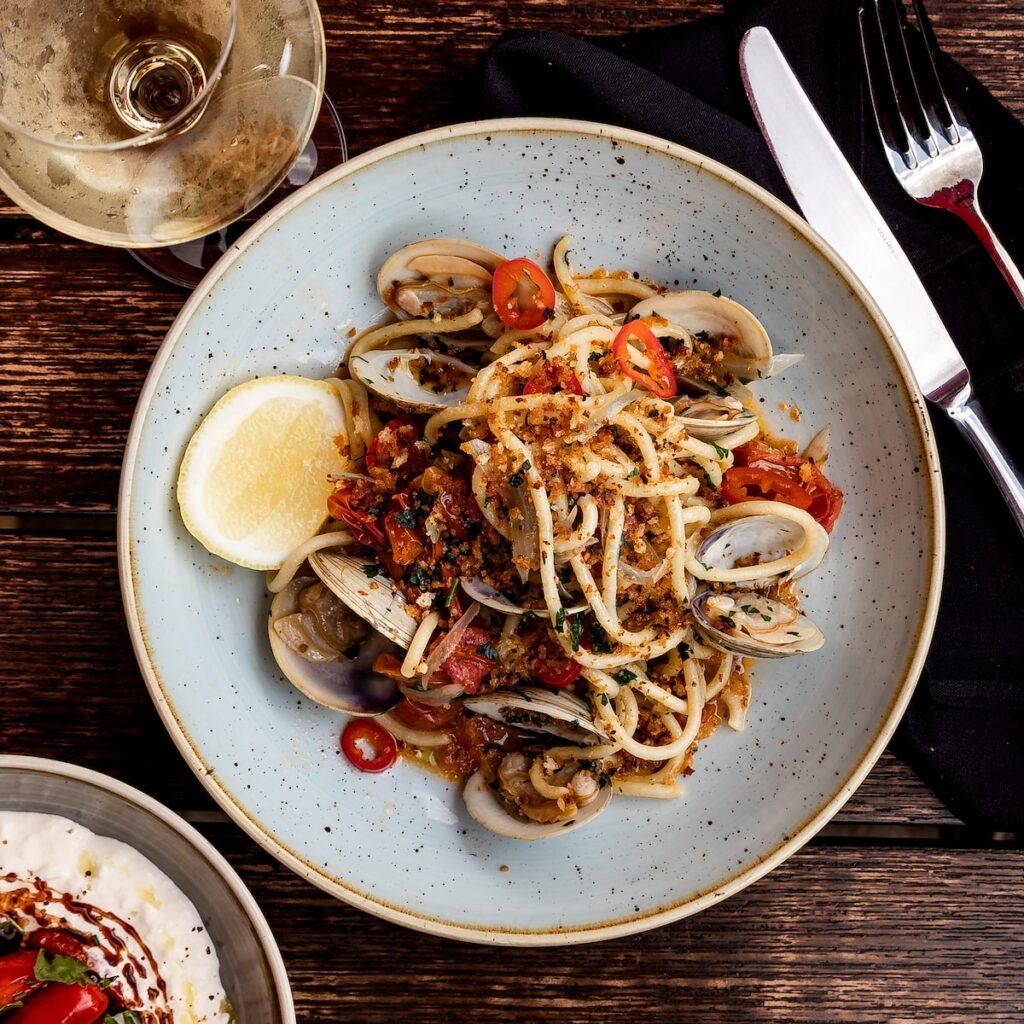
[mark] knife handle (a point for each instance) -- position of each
(966, 412)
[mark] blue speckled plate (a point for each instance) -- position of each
(400, 844)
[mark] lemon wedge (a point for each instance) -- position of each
(254, 481)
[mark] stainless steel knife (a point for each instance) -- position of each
(835, 204)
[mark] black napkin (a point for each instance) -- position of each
(965, 729)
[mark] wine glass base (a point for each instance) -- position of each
(187, 263)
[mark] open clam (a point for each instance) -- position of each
(376, 600)
(494, 812)
(753, 625)
(308, 638)
(416, 379)
(711, 417)
(537, 710)
(749, 355)
(757, 544)
(445, 276)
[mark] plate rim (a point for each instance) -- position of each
(645, 920)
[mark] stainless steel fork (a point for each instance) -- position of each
(929, 143)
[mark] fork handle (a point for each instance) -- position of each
(965, 206)
(966, 412)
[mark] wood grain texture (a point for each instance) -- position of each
(79, 324)
(70, 688)
(833, 935)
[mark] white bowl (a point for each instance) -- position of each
(251, 967)
(400, 844)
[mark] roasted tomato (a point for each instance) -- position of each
(764, 472)
(400, 524)
(426, 716)
(523, 294)
(398, 450)
(555, 376)
(368, 745)
(658, 376)
(54, 940)
(471, 662)
(552, 667)
(62, 1004)
(364, 527)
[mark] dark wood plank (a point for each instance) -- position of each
(70, 689)
(79, 324)
(835, 934)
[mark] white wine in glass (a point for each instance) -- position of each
(144, 123)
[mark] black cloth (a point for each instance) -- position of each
(964, 731)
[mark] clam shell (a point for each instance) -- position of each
(701, 312)
(455, 260)
(484, 806)
(397, 374)
(570, 717)
(710, 417)
(376, 600)
(344, 684)
(773, 641)
(767, 534)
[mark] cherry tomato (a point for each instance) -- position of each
(406, 545)
(54, 940)
(62, 1004)
(17, 977)
(398, 437)
(824, 502)
(554, 377)
(368, 745)
(757, 483)
(362, 525)
(426, 716)
(552, 667)
(523, 294)
(659, 377)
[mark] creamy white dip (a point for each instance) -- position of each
(110, 875)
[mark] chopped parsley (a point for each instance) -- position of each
(722, 453)
(488, 651)
(420, 578)
(560, 620)
(369, 571)
(450, 596)
(517, 479)
(575, 629)
(624, 676)
(406, 518)
(598, 639)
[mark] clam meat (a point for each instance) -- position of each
(754, 625)
(419, 380)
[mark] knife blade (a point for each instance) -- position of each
(835, 204)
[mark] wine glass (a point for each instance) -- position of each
(143, 123)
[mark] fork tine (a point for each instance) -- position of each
(892, 125)
(940, 100)
(901, 71)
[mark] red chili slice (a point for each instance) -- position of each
(523, 294)
(659, 377)
(368, 745)
(554, 377)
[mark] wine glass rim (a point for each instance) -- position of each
(154, 134)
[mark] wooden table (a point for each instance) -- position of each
(896, 912)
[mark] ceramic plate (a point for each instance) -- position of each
(400, 844)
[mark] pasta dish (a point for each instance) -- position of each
(560, 533)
